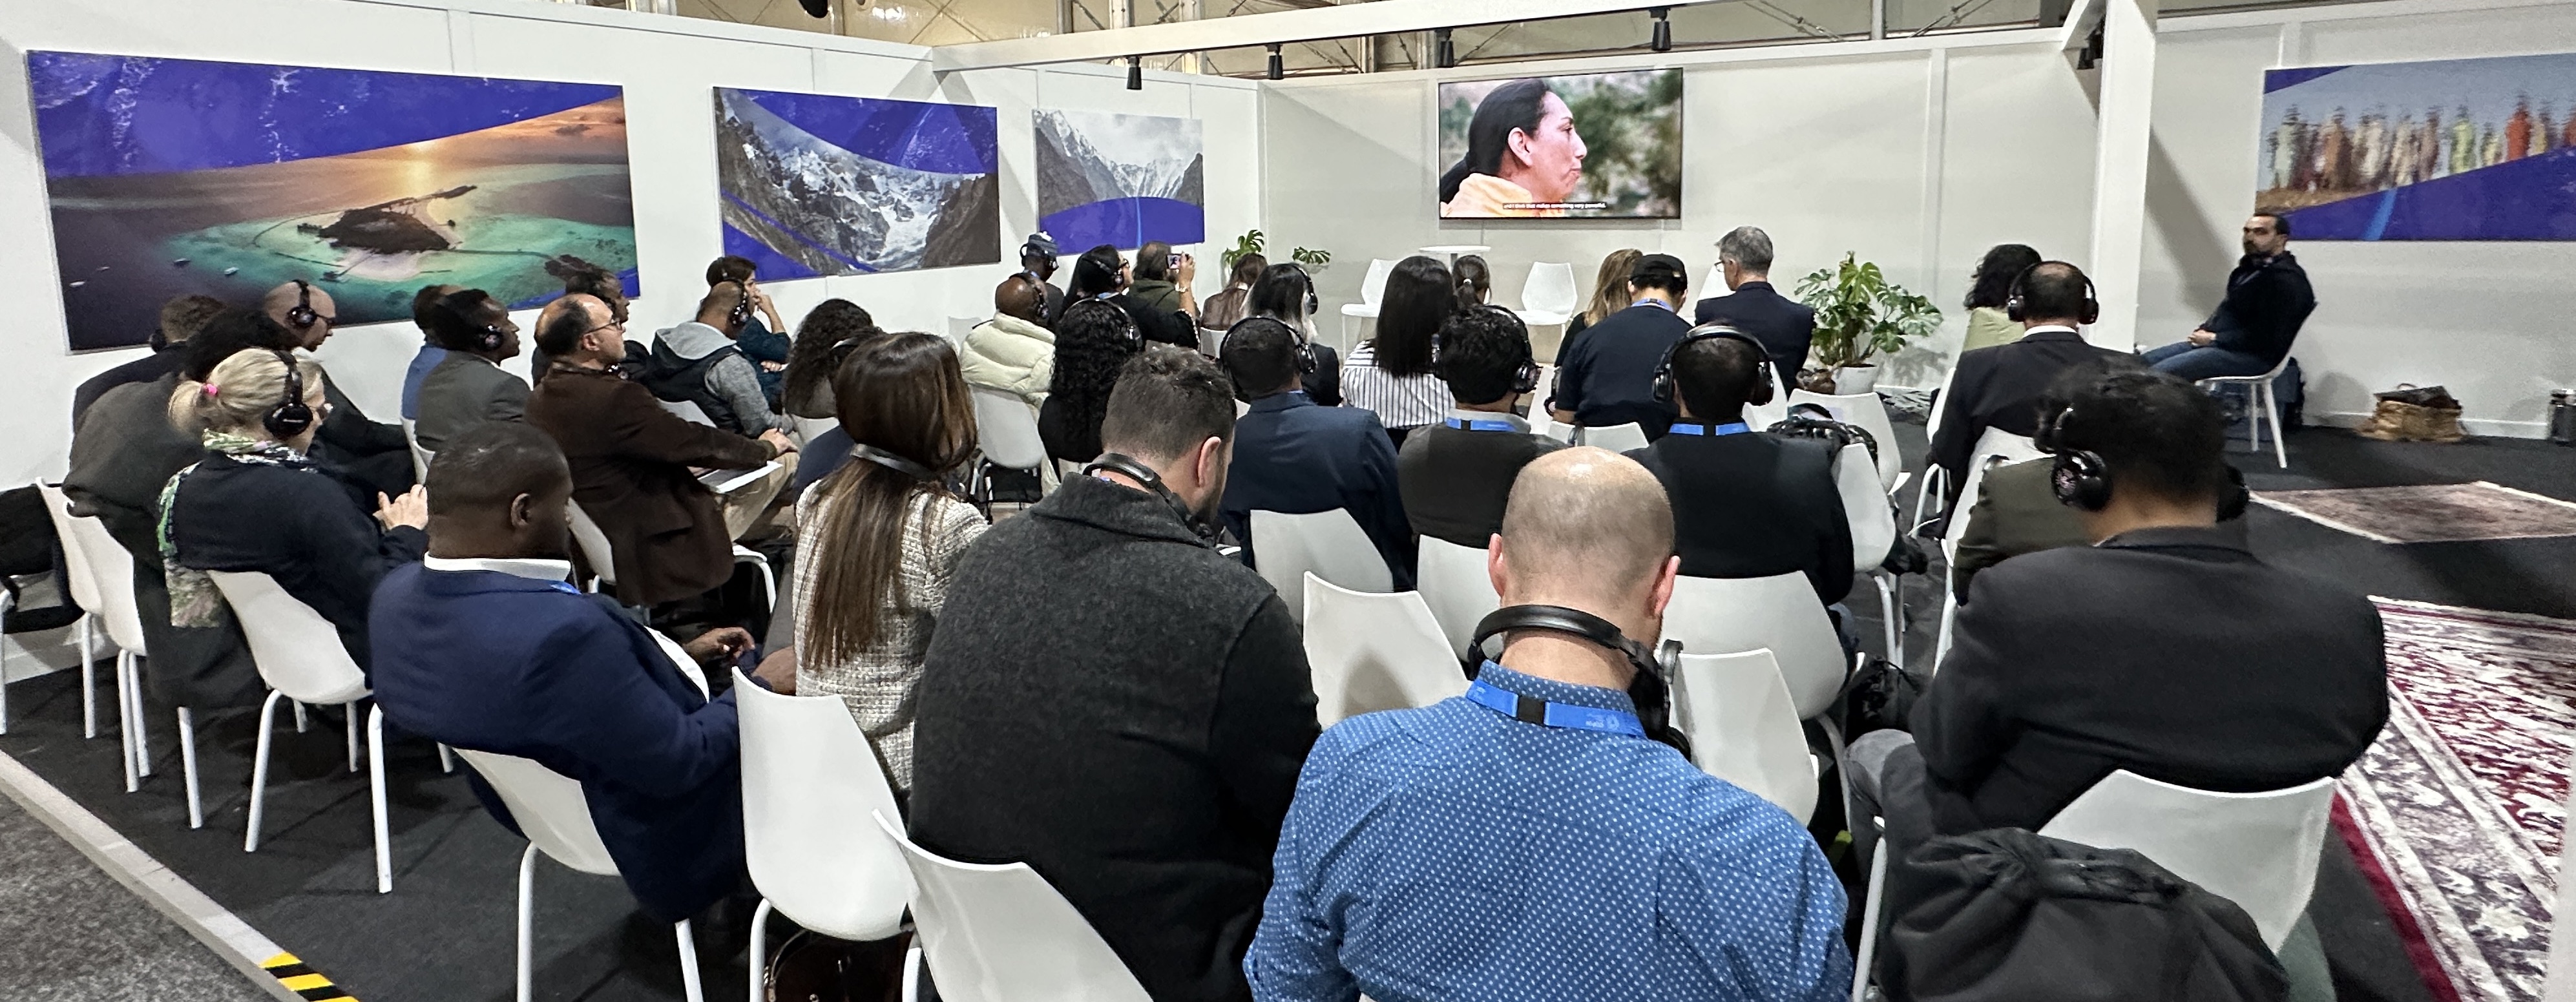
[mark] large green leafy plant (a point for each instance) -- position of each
(1255, 242)
(1860, 314)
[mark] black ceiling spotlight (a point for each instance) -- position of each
(1135, 73)
(1663, 37)
(1278, 66)
(1444, 51)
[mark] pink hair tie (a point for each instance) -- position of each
(210, 389)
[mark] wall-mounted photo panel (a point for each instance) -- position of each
(1592, 146)
(1105, 178)
(170, 177)
(2451, 149)
(820, 185)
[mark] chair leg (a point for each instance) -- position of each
(912, 972)
(689, 985)
(188, 767)
(125, 722)
(376, 792)
(2272, 410)
(758, 959)
(142, 729)
(89, 702)
(446, 760)
(768, 578)
(1891, 606)
(300, 723)
(527, 922)
(259, 769)
(1869, 920)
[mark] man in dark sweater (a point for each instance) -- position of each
(2268, 298)
(1110, 701)
(1784, 326)
(1456, 475)
(1746, 504)
(1604, 377)
(1294, 457)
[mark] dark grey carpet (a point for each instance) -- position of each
(73, 932)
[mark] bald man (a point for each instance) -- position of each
(1014, 352)
(375, 454)
(1529, 834)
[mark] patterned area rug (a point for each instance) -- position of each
(2457, 811)
(2437, 513)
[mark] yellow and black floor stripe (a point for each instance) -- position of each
(302, 980)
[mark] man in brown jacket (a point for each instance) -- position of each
(631, 460)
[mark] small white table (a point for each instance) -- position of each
(1453, 250)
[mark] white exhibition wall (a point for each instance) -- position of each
(668, 66)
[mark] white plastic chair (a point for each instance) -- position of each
(807, 429)
(2256, 849)
(1873, 530)
(1616, 438)
(1936, 480)
(1744, 729)
(1555, 429)
(420, 457)
(593, 543)
(1547, 296)
(688, 411)
(1994, 448)
(1328, 543)
(1372, 291)
(1867, 412)
(301, 658)
(1007, 430)
(1375, 651)
(1454, 583)
(2265, 408)
(550, 811)
(1780, 613)
(959, 327)
(810, 783)
(1001, 933)
(73, 533)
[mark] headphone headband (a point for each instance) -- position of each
(1667, 392)
(2016, 311)
(1524, 379)
(302, 317)
(893, 462)
(1651, 690)
(1302, 355)
(1143, 474)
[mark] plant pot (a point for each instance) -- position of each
(1851, 380)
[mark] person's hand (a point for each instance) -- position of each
(1189, 270)
(2201, 337)
(779, 671)
(411, 509)
(719, 646)
(777, 441)
(773, 366)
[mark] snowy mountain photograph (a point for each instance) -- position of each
(818, 185)
(1115, 179)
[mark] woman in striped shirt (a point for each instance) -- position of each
(1391, 373)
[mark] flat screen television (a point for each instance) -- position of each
(1587, 146)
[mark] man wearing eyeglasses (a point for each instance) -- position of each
(632, 461)
(371, 452)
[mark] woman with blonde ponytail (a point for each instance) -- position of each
(256, 503)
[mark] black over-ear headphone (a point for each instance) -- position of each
(1129, 337)
(1143, 474)
(302, 316)
(1312, 304)
(2079, 477)
(893, 462)
(1303, 355)
(2014, 310)
(1651, 690)
(457, 304)
(1525, 378)
(1762, 391)
(292, 415)
(740, 315)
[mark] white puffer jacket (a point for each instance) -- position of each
(1012, 355)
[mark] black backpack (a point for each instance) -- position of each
(29, 547)
(1814, 421)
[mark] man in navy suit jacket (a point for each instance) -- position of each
(483, 646)
(1294, 457)
(1785, 326)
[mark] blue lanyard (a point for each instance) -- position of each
(1656, 303)
(1567, 715)
(1481, 424)
(1687, 428)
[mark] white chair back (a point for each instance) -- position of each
(1865, 506)
(2256, 849)
(84, 578)
(548, 807)
(810, 788)
(1867, 412)
(1762, 417)
(298, 652)
(810, 428)
(1554, 429)
(420, 457)
(1001, 933)
(1550, 290)
(1744, 729)
(594, 544)
(1616, 438)
(1008, 430)
(688, 411)
(1328, 543)
(1371, 651)
(1780, 612)
(1940, 400)
(1994, 448)
(1454, 584)
(959, 327)
(102, 572)
(1373, 285)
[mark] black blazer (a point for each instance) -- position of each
(295, 523)
(1605, 376)
(2172, 653)
(2268, 299)
(1999, 387)
(1752, 505)
(1785, 326)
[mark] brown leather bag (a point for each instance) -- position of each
(2414, 414)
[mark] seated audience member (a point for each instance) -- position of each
(1605, 377)
(1037, 261)
(1746, 504)
(878, 542)
(181, 318)
(374, 454)
(1609, 293)
(1285, 293)
(431, 350)
(1999, 387)
(1013, 352)
(1092, 344)
(1990, 291)
(1390, 375)
(1163, 279)
(2268, 300)
(1295, 458)
(826, 337)
(631, 461)
(1455, 475)
(1552, 856)
(1113, 703)
(1101, 274)
(596, 283)
(469, 387)
(1783, 326)
(2165, 648)
(763, 338)
(484, 647)
(255, 503)
(1224, 309)
(1473, 281)
(698, 362)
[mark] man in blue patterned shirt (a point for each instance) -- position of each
(1458, 852)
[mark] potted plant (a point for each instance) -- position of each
(1256, 242)
(1859, 314)
(1311, 259)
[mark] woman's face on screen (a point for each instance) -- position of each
(1551, 159)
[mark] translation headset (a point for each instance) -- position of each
(1312, 304)
(1651, 690)
(292, 415)
(1143, 474)
(740, 315)
(893, 462)
(1762, 390)
(2081, 479)
(1130, 339)
(302, 316)
(1525, 378)
(1304, 355)
(460, 305)
(2014, 310)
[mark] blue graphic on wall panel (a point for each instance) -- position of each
(170, 177)
(818, 185)
(1121, 180)
(2454, 149)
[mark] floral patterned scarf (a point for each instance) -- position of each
(193, 598)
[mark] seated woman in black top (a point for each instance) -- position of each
(1092, 340)
(255, 503)
(1287, 294)
(1101, 274)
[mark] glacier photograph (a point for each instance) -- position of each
(1106, 178)
(818, 185)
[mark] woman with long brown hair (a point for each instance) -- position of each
(1609, 291)
(877, 541)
